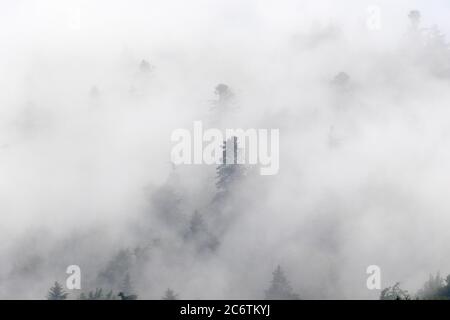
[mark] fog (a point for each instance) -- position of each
(91, 92)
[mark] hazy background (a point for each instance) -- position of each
(85, 145)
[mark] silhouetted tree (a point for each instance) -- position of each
(433, 288)
(57, 292)
(280, 289)
(229, 171)
(444, 291)
(394, 293)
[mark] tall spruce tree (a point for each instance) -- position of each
(280, 289)
(57, 292)
(229, 171)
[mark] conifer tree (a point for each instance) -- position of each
(57, 292)
(229, 171)
(280, 289)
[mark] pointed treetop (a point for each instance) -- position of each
(280, 289)
(57, 292)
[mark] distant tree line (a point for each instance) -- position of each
(279, 289)
(435, 288)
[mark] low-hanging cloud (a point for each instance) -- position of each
(92, 91)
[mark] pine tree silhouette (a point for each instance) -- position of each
(57, 292)
(229, 171)
(280, 289)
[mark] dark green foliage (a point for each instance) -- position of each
(280, 289)
(57, 292)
